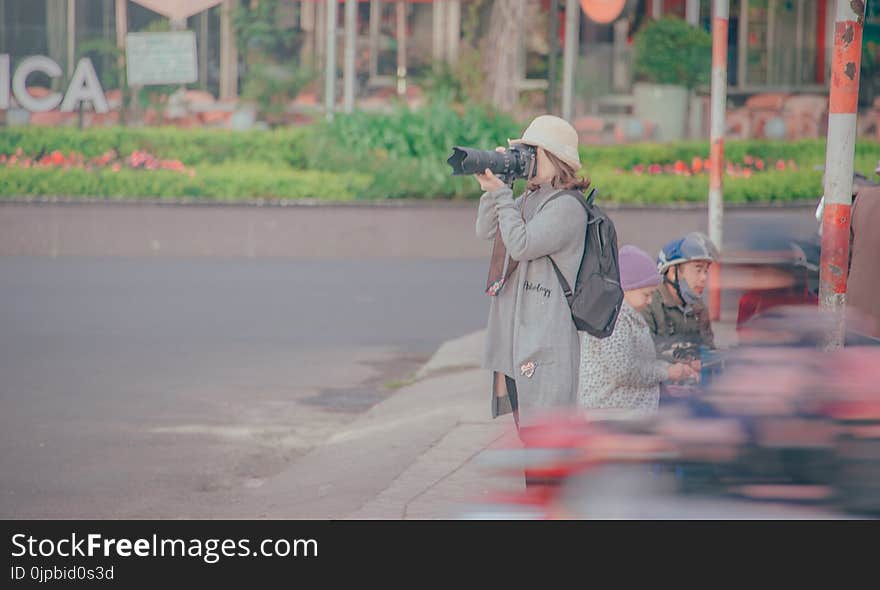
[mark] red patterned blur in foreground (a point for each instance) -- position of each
(781, 427)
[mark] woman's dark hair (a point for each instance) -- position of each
(566, 177)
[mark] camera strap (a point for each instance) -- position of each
(501, 266)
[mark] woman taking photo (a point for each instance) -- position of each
(532, 347)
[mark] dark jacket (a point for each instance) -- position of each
(676, 329)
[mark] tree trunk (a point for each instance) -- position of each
(501, 51)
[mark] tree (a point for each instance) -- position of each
(500, 53)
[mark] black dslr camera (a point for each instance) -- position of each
(519, 161)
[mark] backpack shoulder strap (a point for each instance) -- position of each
(586, 203)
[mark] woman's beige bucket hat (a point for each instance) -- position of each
(555, 135)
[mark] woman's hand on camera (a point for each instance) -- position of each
(488, 181)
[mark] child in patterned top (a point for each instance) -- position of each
(620, 375)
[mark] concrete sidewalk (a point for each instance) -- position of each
(412, 456)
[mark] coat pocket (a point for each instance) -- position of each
(543, 383)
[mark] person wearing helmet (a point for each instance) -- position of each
(676, 315)
(772, 268)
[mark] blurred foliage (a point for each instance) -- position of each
(230, 182)
(460, 84)
(271, 77)
(406, 150)
(106, 53)
(670, 51)
(273, 86)
(258, 30)
(394, 155)
(193, 147)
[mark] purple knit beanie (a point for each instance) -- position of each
(637, 269)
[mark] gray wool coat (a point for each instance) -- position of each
(531, 336)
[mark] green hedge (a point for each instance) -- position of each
(405, 151)
(806, 153)
(381, 156)
(233, 182)
(772, 186)
(246, 181)
(193, 147)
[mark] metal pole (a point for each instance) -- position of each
(71, 37)
(771, 77)
(799, 44)
(692, 12)
(401, 47)
(453, 30)
(330, 61)
(438, 26)
(553, 34)
(320, 35)
(203, 49)
(121, 27)
(840, 149)
(2, 28)
(572, 25)
(228, 52)
(743, 45)
(350, 48)
(716, 146)
(375, 18)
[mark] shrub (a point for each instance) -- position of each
(395, 155)
(235, 181)
(405, 151)
(806, 153)
(191, 146)
(670, 51)
(766, 187)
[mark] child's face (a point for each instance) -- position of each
(695, 273)
(639, 299)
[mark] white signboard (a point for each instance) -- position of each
(161, 58)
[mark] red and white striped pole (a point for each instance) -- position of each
(839, 152)
(716, 148)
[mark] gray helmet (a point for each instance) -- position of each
(693, 246)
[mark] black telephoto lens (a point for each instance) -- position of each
(466, 161)
(517, 162)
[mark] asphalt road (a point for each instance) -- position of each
(155, 358)
(198, 375)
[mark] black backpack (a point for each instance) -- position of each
(597, 296)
